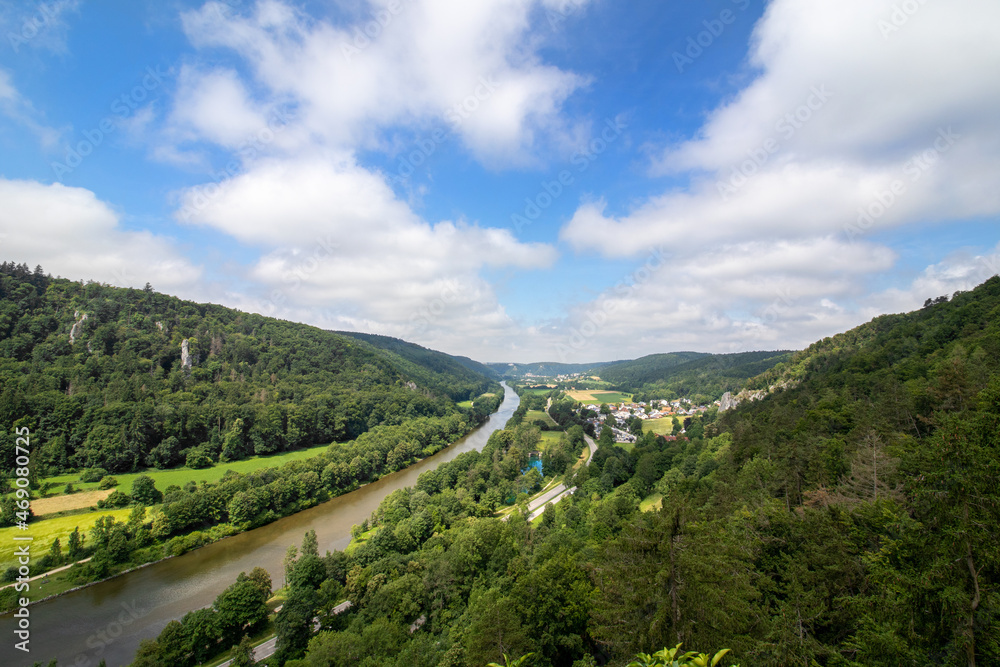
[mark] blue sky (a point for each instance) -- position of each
(513, 180)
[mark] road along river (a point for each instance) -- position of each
(108, 620)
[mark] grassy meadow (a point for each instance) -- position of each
(45, 530)
(183, 475)
(661, 426)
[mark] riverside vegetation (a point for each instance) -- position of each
(112, 380)
(847, 519)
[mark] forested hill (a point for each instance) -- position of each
(122, 378)
(541, 369)
(411, 354)
(846, 519)
(690, 374)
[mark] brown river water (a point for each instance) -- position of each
(108, 620)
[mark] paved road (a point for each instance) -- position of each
(260, 651)
(565, 492)
(540, 501)
(593, 447)
(557, 492)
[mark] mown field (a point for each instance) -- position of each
(596, 396)
(662, 426)
(68, 502)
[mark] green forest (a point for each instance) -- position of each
(123, 379)
(701, 378)
(847, 519)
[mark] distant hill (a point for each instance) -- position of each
(542, 369)
(635, 372)
(422, 357)
(691, 373)
(122, 378)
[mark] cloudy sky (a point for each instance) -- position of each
(513, 180)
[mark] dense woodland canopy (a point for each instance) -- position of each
(97, 372)
(698, 377)
(848, 519)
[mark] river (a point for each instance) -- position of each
(109, 619)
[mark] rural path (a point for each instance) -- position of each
(45, 574)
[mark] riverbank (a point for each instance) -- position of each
(168, 589)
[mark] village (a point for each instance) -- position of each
(626, 411)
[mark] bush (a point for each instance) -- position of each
(108, 483)
(116, 499)
(69, 489)
(92, 475)
(145, 492)
(197, 458)
(10, 574)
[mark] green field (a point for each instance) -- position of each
(538, 392)
(44, 531)
(183, 475)
(599, 397)
(654, 501)
(549, 438)
(532, 415)
(662, 426)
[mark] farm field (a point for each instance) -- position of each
(68, 501)
(597, 396)
(662, 426)
(183, 475)
(44, 531)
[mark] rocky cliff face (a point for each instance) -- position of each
(186, 360)
(77, 326)
(728, 401)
